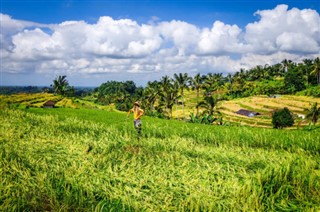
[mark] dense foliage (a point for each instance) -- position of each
(122, 94)
(160, 97)
(313, 113)
(61, 86)
(282, 118)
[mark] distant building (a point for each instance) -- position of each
(247, 113)
(49, 104)
(275, 96)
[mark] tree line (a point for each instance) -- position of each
(160, 96)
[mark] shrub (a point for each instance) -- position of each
(205, 119)
(310, 91)
(282, 118)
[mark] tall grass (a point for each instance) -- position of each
(91, 160)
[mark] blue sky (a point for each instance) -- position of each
(95, 41)
(201, 12)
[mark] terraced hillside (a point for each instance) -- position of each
(261, 104)
(265, 106)
(37, 100)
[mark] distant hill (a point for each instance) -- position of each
(7, 90)
(24, 100)
(20, 89)
(264, 105)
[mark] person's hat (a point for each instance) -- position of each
(137, 103)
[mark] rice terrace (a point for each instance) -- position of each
(84, 156)
(178, 106)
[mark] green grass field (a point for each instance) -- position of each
(67, 159)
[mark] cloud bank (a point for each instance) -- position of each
(127, 49)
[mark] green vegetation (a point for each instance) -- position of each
(122, 94)
(164, 98)
(313, 113)
(298, 105)
(37, 100)
(61, 86)
(84, 159)
(282, 118)
(84, 156)
(224, 112)
(171, 98)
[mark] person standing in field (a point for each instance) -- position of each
(137, 113)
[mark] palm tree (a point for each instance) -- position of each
(168, 94)
(60, 85)
(267, 72)
(150, 94)
(238, 82)
(242, 73)
(120, 92)
(209, 103)
(307, 65)
(277, 70)
(313, 113)
(183, 81)
(286, 64)
(258, 73)
(212, 82)
(316, 69)
(228, 80)
(197, 83)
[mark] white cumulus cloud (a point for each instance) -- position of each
(220, 39)
(285, 30)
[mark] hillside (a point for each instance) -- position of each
(261, 104)
(83, 159)
(265, 106)
(37, 100)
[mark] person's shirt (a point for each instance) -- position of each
(137, 113)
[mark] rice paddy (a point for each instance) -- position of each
(265, 106)
(66, 159)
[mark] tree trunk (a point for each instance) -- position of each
(182, 95)
(183, 107)
(177, 107)
(197, 102)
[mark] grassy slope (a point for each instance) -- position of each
(261, 104)
(66, 159)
